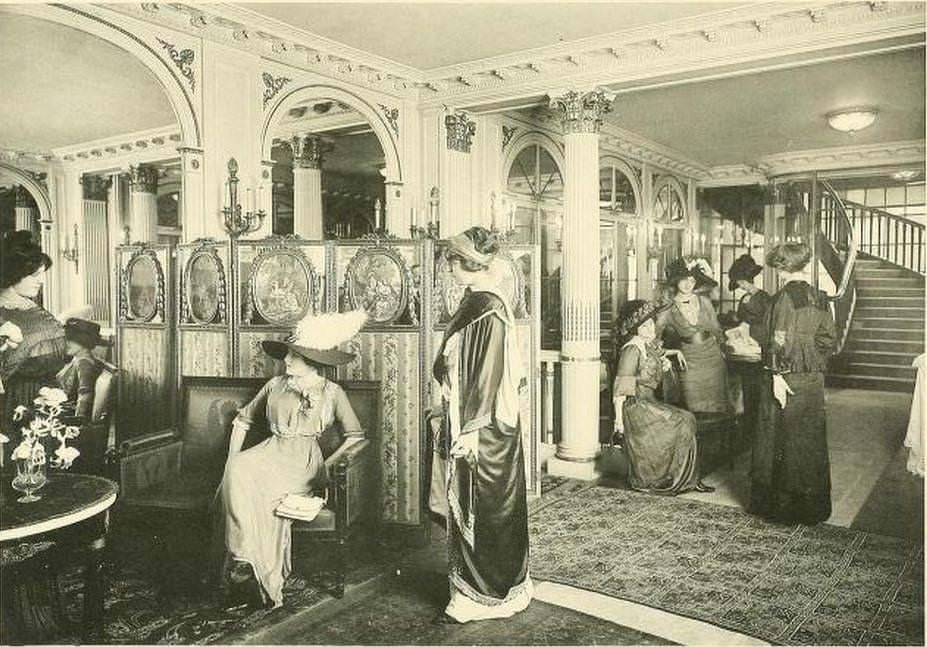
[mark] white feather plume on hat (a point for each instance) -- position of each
(326, 331)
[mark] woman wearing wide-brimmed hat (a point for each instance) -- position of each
(691, 325)
(660, 439)
(298, 406)
(754, 304)
(790, 471)
(78, 378)
(481, 375)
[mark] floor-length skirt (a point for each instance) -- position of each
(704, 382)
(254, 483)
(489, 575)
(790, 472)
(662, 448)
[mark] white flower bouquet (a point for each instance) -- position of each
(42, 421)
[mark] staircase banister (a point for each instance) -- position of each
(852, 246)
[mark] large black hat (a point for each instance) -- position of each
(697, 268)
(744, 267)
(20, 257)
(635, 312)
(86, 333)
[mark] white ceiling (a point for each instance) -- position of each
(432, 34)
(60, 86)
(737, 120)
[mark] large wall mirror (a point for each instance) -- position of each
(328, 174)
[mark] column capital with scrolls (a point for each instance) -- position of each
(582, 111)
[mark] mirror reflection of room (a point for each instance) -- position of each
(328, 173)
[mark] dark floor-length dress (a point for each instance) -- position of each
(487, 521)
(704, 382)
(660, 439)
(790, 473)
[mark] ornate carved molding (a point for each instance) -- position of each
(308, 151)
(182, 59)
(143, 179)
(902, 152)
(244, 29)
(95, 187)
(392, 117)
(460, 132)
(273, 85)
(745, 35)
(507, 133)
(582, 112)
(732, 175)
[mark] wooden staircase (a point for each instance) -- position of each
(887, 330)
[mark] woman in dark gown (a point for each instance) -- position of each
(660, 439)
(35, 362)
(790, 473)
(481, 375)
(691, 325)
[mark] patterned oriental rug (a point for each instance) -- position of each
(786, 585)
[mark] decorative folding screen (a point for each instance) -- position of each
(203, 308)
(145, 338)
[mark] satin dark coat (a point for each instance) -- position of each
(498, 559)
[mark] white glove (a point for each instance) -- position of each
(466, 447)
(781, 390)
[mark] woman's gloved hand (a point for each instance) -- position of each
(781, 390)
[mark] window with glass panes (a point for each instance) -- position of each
(618, 201)
(535, 185)
(905, 200)
(669, 216)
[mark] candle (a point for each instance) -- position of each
(414, 218)
(249, 200)
(512, 218)
(376, 214)
(702, 240)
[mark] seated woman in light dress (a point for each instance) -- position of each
(660, 439)
(299, 406)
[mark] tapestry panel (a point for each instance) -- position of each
(394, 359)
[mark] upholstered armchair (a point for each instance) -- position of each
(179, 469)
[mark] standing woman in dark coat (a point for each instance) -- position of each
(791, 471)
(35, 362)
(481, 374)
(691, 325)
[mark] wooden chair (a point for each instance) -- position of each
(721, 426)
(178, 470)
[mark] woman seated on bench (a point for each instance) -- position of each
(299, 406)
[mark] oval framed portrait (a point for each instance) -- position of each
(281, 287)
(143, 288)
(376, 282)
(204, 286)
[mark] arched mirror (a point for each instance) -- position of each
(328, 174)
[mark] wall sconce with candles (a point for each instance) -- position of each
(501, 208)
(432, 228)
(236, 221)
(69, 251)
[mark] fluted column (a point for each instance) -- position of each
(456, 193)
(307, 186)
(581, 113)
(143, 218)
(25, 213)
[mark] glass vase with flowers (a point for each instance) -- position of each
(44, 421)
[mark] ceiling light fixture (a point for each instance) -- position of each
(904, 176)
(851, 120)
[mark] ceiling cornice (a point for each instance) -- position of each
(733, 175)
(844, 157)
(742, 35)
(722, 39)
(276, 41)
